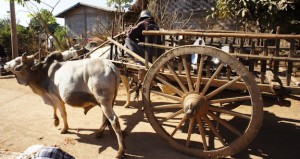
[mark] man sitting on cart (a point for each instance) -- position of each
(134, 35)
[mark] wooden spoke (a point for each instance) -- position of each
(228, 100)
(236, 114)
(215, 92)
(206, 92)
(202, 132)
(176, 98)
(187, 72)
(199, 75)
(212, 78)
(167, 106)
(179, 125)
(171, 116)
(214, 130)
(175, 89)
(191, 126)
(177, 78)
(224, 123)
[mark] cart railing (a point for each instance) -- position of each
(266, 56)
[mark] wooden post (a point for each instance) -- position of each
(14, 38)
(211, 40)
(146, 52)
(228, 68)
(112, 36)
(154, 49)
(251, 62)
(263, 66)
(277, 49)
(123, 40)
(290, 64)
(241, 46)
(241, 49)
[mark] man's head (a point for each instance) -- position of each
(144, 14)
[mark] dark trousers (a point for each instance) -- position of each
(140, 50)
(133, 46)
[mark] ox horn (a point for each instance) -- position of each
(24, 57)
(36, 65)
(36, 55)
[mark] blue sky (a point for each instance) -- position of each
(22, 12)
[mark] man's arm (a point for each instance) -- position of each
(136, 31)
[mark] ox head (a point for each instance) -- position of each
(21, 67)
(48, 60)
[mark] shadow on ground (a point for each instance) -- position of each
(277, 139)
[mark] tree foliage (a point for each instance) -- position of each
(45, 20)
(43, 15)
(60, 34)
(22, 2)
(26, 37)
(261, 15)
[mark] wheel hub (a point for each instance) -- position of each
(195, 103)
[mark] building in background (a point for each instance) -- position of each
(194, 10)
(86, 22)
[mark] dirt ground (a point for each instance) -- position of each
(25, 120)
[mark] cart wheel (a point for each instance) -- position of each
(194, 116)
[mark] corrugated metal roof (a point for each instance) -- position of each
(79, 4)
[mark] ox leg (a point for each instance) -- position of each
(63, 113)
(126, 84)
(56, 119)
(113, 119)
(104, 124)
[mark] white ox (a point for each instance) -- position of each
(81, 83)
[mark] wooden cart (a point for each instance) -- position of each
(214, 109)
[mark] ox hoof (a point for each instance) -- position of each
(120, 154)
(56, 122)
(64, 131)
(126, 105)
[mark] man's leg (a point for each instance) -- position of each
(133, 46)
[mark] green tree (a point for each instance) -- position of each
(22, 2)
(44, 15)
(261, 15)
(45, 20)
(26, 37)
(60, 34)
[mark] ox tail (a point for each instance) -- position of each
(117, 79)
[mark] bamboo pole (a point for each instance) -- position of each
(128, 51)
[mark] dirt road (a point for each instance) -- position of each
(25, 121)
